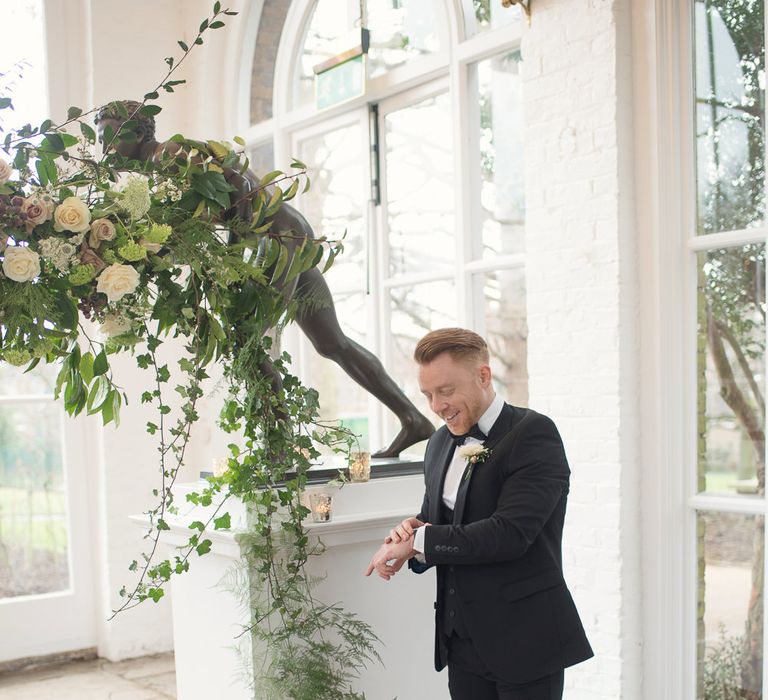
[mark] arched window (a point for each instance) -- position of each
(409, 117)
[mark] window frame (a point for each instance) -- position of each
(450, 69)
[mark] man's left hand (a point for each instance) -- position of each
(390, 558)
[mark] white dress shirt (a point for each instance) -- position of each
(458, 465)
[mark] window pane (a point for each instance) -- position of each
(400, 31)
(731, 552)
(731, 376)
(22, 63)
(331, 20)
(730, 103)
(491, 14)
(334, 204)
(14, 381)
(502, 189)
(33, 519)
(262, 158)
(419, 182)
(341, 398)
(502, 298)
(416, 310)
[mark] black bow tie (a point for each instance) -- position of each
(474, 432)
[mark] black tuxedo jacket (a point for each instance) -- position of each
(505, 548)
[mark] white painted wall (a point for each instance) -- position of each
(582, 307)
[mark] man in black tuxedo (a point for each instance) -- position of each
(492, 523)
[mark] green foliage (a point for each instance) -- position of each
(204, 267)
(722, 669)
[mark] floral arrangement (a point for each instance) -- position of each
(103, 253)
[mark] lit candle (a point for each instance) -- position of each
(360, 466)
(321, 505)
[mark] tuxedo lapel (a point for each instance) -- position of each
(502, 426)
(443, 458)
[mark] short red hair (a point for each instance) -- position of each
(459, 343)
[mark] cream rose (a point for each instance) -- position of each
(101, 230)
(38, 209)
(5, 171)
(115, 324)
(21, 264)
(118, 280)
(72, 215)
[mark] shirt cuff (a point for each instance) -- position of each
(418, 544)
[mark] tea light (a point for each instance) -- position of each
(321, 505)
(360, 466)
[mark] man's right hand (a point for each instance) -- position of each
(403, 531)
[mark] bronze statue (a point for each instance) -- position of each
(317, 320)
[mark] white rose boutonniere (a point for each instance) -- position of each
(474, 453)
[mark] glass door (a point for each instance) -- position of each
(45, 558)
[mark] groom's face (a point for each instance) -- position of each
(459, 391)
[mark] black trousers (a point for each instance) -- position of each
(469, 679)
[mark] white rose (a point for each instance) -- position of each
(38, 209)
(115, 324)
(5, 171)
(472, 450)
(21, 264)
(101, 230)
(72, 215)
(118, 280)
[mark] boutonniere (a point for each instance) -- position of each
(474, 454)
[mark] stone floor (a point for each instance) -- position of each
(145, 678)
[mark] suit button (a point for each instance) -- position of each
(451, 591)
(452, 613)
(455, 550)
(450, 568)
(437, 547)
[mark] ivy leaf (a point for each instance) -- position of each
(204, 547)
(222, 523)
(155, 594)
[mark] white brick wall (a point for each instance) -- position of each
(581, 313)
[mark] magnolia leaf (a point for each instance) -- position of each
(88, 132)
(97, 395)
(295, 267)
(86, 367)
(5, 102)
(282, 260)
(216, 25)
(150, 110)
(184, 48)
(100, 364)
(264, 181)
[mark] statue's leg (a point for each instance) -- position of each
(317, 318)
